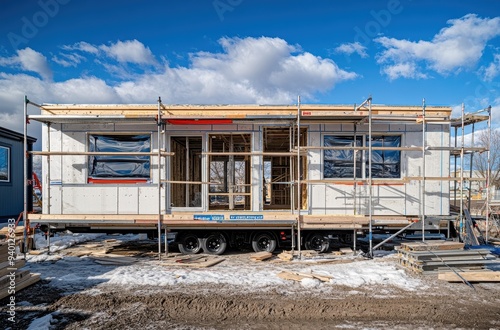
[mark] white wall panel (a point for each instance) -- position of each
(148, 200)
(74, 168)
(128, 200)
(92, 199)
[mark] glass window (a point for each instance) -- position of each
(386, 163)
(340, 163)
(119, 167)
(4, 164)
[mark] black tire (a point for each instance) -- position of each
(189, 244)
(214, 243)
(264, 242)
(317, 242)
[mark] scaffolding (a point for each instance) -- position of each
(465, 153)
(360, 117)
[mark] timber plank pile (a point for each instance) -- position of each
(297, 276)
(448, 258)
(12, 278)
(201, 261)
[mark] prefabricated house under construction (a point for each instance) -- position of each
(236, 175)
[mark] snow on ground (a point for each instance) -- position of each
(41, 323)
(74, 274)
(63, 241)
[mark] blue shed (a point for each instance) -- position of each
(11, 174)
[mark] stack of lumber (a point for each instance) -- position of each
(19, 231)
(10, 273)
(19, 234)
(438, 256)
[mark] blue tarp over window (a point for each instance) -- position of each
(340, 163)
(386, 163)
(119, 166)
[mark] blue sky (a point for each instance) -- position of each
(249, 51)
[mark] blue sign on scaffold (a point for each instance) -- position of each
(247, 217)
(209, 217)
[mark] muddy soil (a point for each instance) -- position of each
(218, 308)
(440, 305)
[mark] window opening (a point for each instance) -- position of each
(229, 174)
(186, 166)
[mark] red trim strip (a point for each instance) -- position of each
(115, 181)
(200, 121)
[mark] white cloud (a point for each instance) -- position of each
(68, 60)
(492, 70)
(29, 60)
(130, 51)
(454, 48)
(250, 70)
(405, 70)
(269, 70)
(83, 47)
(350, 48)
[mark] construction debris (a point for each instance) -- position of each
(261, 256)
(347, 251)
(286, 256)
(194, 261)
(113, 259)
(296, 276)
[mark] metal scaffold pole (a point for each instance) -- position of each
(159, 177)
(370, 187)
(25, 175)
(462, 227)
(488, 175)
(422, 188)
(298, 176)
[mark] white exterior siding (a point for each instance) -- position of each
(70, 194)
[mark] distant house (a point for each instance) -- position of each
(11, 174)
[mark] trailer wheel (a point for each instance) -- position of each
(214, 243)
(317, 242)
(189, 244)
(264, 242)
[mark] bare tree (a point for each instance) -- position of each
(481, 160)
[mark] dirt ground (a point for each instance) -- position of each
(439, 306)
